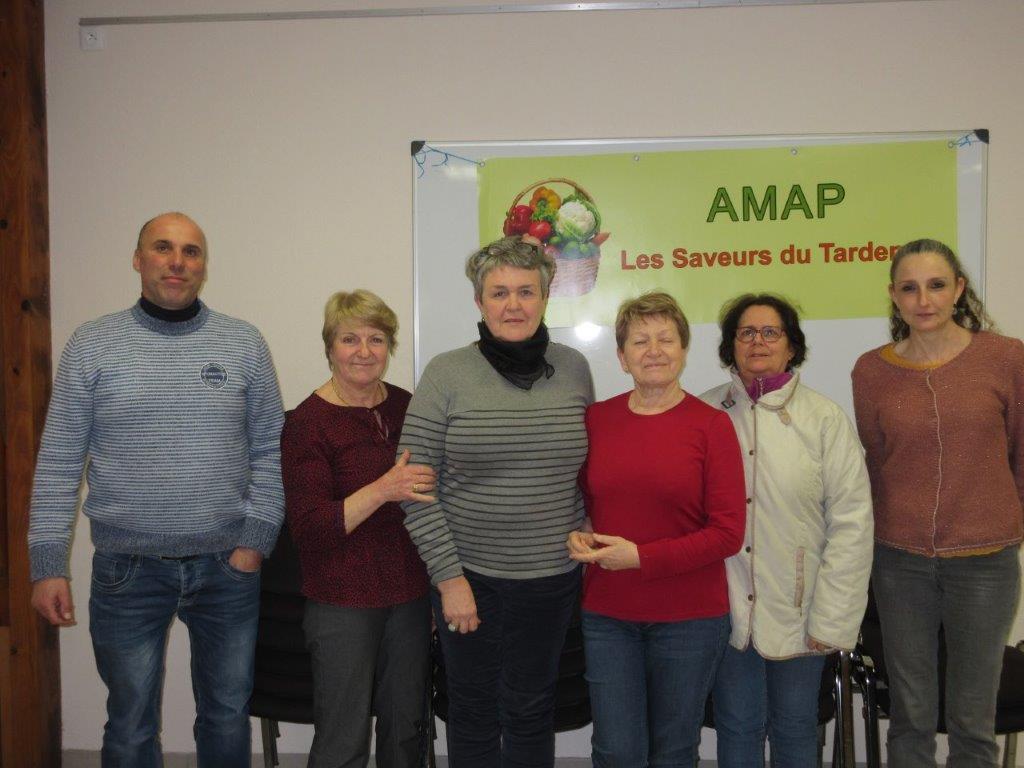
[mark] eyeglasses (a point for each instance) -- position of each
(769, 334)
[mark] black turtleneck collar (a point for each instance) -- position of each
(169, 315)
(520, 362)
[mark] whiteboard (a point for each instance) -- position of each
(446, 231)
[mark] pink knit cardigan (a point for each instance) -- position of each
(945, 447)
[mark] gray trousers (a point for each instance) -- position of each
(368, 662)
(974, 599)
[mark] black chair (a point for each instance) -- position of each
(831, 695)
(283, 684)
(572, 697)
(871, 677)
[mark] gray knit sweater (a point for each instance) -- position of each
(507, 460)
(180, 423)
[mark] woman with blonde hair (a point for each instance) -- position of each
(367, 617)
(940, 411)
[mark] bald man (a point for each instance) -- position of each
(176, 411)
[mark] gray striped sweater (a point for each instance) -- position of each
(180, 423)
(507, 461)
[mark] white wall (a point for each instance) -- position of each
(289, 143)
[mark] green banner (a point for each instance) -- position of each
(817, 224)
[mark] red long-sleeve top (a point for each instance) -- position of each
(673, 484)
(327, 453)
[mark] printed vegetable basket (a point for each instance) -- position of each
(569, 228)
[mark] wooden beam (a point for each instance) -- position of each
(6, 748)
(30, 732)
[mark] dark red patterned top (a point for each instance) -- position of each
(327, 453)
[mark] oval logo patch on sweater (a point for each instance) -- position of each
(214, 375)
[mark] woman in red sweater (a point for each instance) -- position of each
(940, 414)
(367, 617)
(665, 499)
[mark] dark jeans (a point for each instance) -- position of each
(648, 684)
(501, 678)
(131, 606)
(974, 599)
(368, 662)
(755, 697)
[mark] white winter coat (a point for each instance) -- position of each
(804, 566)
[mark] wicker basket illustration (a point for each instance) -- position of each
(575, 274)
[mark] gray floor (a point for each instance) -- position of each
(80, 758)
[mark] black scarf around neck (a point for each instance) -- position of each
(520, 362)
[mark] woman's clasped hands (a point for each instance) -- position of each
(613, 553)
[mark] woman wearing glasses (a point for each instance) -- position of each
(798, 587)
(367, 617)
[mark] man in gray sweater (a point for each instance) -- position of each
(176, 411)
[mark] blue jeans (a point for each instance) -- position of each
(501, 678)
(133, 601)
(974, 599)
(648, 684)
(756, 697)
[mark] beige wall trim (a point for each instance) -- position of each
(451, 10)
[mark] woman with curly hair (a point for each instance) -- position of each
(798, 586)
(940, 411)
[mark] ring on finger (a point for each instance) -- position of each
(415, 487)
(452, 626)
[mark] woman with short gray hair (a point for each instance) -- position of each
(517, 252)
(501, 422)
